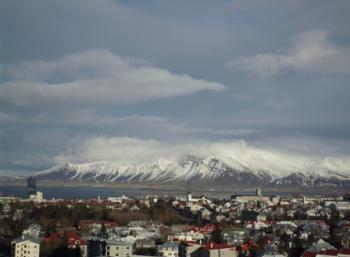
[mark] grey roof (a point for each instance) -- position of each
(169, 245)
(320, 245)
(24, 238)
(271, 252)
(108, 241)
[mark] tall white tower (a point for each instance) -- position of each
(258, 191)
(189, 197)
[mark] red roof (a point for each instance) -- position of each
(345, 251)
(215, 246)
(309, 254)
(330, 252)
(54, 237)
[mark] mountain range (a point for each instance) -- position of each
(210, 170)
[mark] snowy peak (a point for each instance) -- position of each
(198, 169)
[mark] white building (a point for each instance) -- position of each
(187, 236)
(33, 230)
(26, 246)
(118, 248)
(37, 197)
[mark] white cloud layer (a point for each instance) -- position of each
(94, 77)
(310, 51)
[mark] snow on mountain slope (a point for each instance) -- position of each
(208, 169)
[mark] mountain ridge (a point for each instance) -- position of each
(198, 169)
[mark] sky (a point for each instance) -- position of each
(128, 80)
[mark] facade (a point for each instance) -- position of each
(26, 246)
(272, 252)
(102, 247)
(168, 249)
(117, 248)
(37, 197)
(215, 250)
(33, 230)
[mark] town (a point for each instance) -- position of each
(175, 226)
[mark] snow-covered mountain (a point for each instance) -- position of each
(208, 170)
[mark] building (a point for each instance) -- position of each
(258, 191)
(103, 247)
(215, 250)
(272, 252)
(76, 244)
(186, 248)
(345, 239)
(37, 197)
(26, 246)
(33, 231)
(169, 249)
(248, 198)
(118, 248)
(345, 252)
(317, 248)
(31, 186)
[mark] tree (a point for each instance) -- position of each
(216, 235)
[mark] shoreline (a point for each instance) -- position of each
(184, 188)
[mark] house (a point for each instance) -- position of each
(316, 248)
(169, 249)
(102, 247)
(118, 248)
(215, 250)
(328, 253)
(186, 248)
(75, 242)
(345, 239)
(187, 236)
(134, 208)
(145, 243)
(272, 252)
(261, 217)
(26, 246)
(33, 230)
(345, 252)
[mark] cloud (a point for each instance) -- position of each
(95, 77)
(310, 51)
